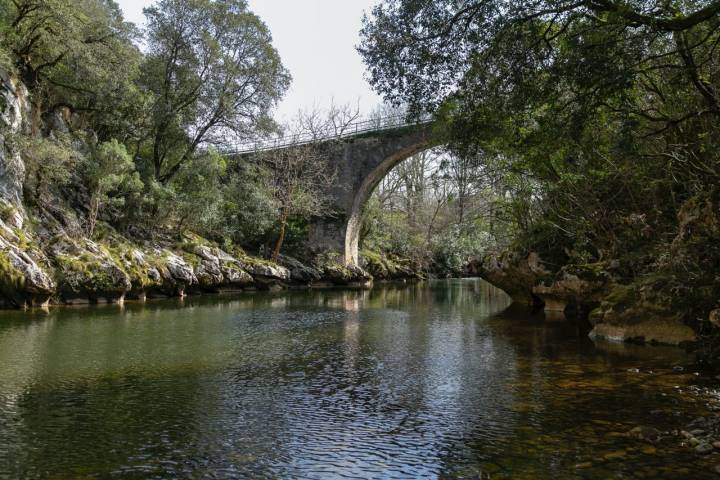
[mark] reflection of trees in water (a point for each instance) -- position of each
(570, 398)
(428, 378)
(403, 383)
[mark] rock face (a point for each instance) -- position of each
(665, 307)
(515, 274)
(346, 275)
(14, 109)
(24, 278)
(384, 268)
(218, 270)
(299, 272)
(576, 285)
(87, 272)
(640, 313)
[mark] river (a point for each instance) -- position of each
(435, 380)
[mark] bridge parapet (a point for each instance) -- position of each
(330, 133)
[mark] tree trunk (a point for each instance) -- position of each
(92, 215)
(281, 236)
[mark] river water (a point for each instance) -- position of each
(435, 380)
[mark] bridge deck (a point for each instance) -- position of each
(331, 133)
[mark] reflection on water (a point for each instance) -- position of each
(432, 380)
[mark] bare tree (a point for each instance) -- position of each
(318, 124)
(300, 173)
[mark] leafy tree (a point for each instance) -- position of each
(198, 193)
(247, 208)
(76, 55)
(214, 74)
(49, 166)
(109, 175)
(598, 111)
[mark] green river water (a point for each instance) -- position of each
(435, 380)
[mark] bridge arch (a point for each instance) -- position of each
(361, 163)
(362, 155)
(363, 193)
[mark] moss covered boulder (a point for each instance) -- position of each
(87, 272)
(300, 273)
(217, 270)
(382, 267)
(24, 271)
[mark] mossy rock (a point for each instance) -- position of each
(87, 275)
(12, 280)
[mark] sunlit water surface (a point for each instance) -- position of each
(436, 380)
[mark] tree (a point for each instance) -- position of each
(595, 111)
(214, 74)
(299, 182)
(49, 164)
(75, 55)
(109, 175)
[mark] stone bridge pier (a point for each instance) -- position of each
(361, 162)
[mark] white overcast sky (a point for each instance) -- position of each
(316, 40)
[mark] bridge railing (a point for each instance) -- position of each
(328, 133)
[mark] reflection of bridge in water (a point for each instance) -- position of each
(362, 154)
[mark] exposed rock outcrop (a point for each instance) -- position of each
(516, 274)
(218, 270)
(383, 268)
(345, 275)
(299, 272)
(642, 313)
(24, 277)
(580, 286)
(14, 108)
(87, 272)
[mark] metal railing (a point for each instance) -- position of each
(329, 133)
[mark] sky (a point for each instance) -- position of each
(316, 40)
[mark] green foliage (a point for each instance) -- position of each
(109, 173)
(247, 210)
(77, 55)
(600, 119)
(49, 166)
(213, 72)
(197, 192)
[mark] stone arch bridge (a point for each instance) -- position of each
(362, 154)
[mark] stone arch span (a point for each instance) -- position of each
(361, 163)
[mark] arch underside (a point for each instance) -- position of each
(363, 193)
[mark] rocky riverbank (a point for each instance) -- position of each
(666, 298)
(47, 265)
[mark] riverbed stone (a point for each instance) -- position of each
(704, 448)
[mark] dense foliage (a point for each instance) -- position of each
(439, 211)
(608, 110)
(601, 118)
(133, 137)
